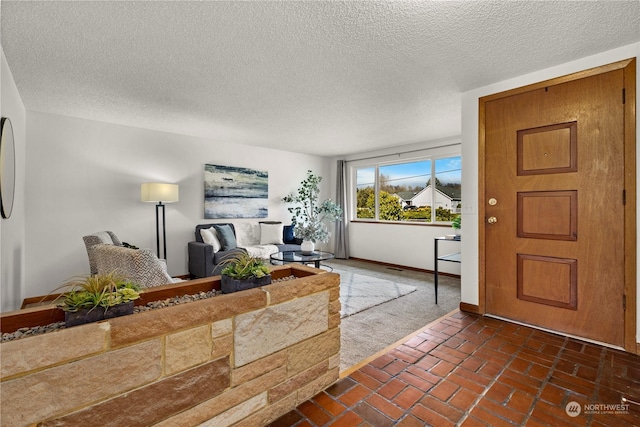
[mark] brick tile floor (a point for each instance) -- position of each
(468, 370)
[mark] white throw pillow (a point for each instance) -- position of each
(247, 234)
(271, 234)
(262, 251)
(210, 237)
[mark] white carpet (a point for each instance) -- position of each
(359, 292)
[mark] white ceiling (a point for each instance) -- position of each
(327, 78)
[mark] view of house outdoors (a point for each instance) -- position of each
(404, 191)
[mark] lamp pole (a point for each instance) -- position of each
(162, 194)
(160, 207)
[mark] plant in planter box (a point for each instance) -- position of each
(243, 271)
(97, 297)
(309, 217)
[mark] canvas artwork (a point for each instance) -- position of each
(232, 192)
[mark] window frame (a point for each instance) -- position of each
(380, 161)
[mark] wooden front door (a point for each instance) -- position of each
(554, 212)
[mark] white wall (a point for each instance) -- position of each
(470, 274)
(406, 245)
(402, 244)
(12, 246)
(84, 176)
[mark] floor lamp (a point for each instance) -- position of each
(159, 193)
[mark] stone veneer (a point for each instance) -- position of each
(238, 359)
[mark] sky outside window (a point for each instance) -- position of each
(449, 170)
(407, 176)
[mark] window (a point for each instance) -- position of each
(448, 189)
(403, 192)
(365, 193)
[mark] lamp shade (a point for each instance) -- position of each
(159, 192)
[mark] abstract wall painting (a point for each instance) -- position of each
(232, 192)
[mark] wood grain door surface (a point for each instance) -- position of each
(554, 231)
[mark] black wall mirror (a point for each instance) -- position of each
(7, 167)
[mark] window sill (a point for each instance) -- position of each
(410, 223)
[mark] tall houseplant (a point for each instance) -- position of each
(309, 216)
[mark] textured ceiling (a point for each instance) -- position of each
(326, 78)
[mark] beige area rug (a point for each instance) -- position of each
(359, 292)
(370, 331)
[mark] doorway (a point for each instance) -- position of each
(557, 204)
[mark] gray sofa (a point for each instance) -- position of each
(204, 262)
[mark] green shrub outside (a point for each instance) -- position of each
(390, 209)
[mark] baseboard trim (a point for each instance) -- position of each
(470, 308)
(404, 267)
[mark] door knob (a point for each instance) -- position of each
(492, 220)
(493, 201)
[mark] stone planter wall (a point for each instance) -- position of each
(237, 359)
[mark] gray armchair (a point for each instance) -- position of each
(139, 265)
(99, 238)
(106, 253)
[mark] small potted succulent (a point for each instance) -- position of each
(98, 297)
(243, 271)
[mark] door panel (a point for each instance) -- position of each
(548, 149)
(554, 161)
(547, 280)
(548, 214)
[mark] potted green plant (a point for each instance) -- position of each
(243, 271)
(98, 297)
(309, 216)
(456, 224)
